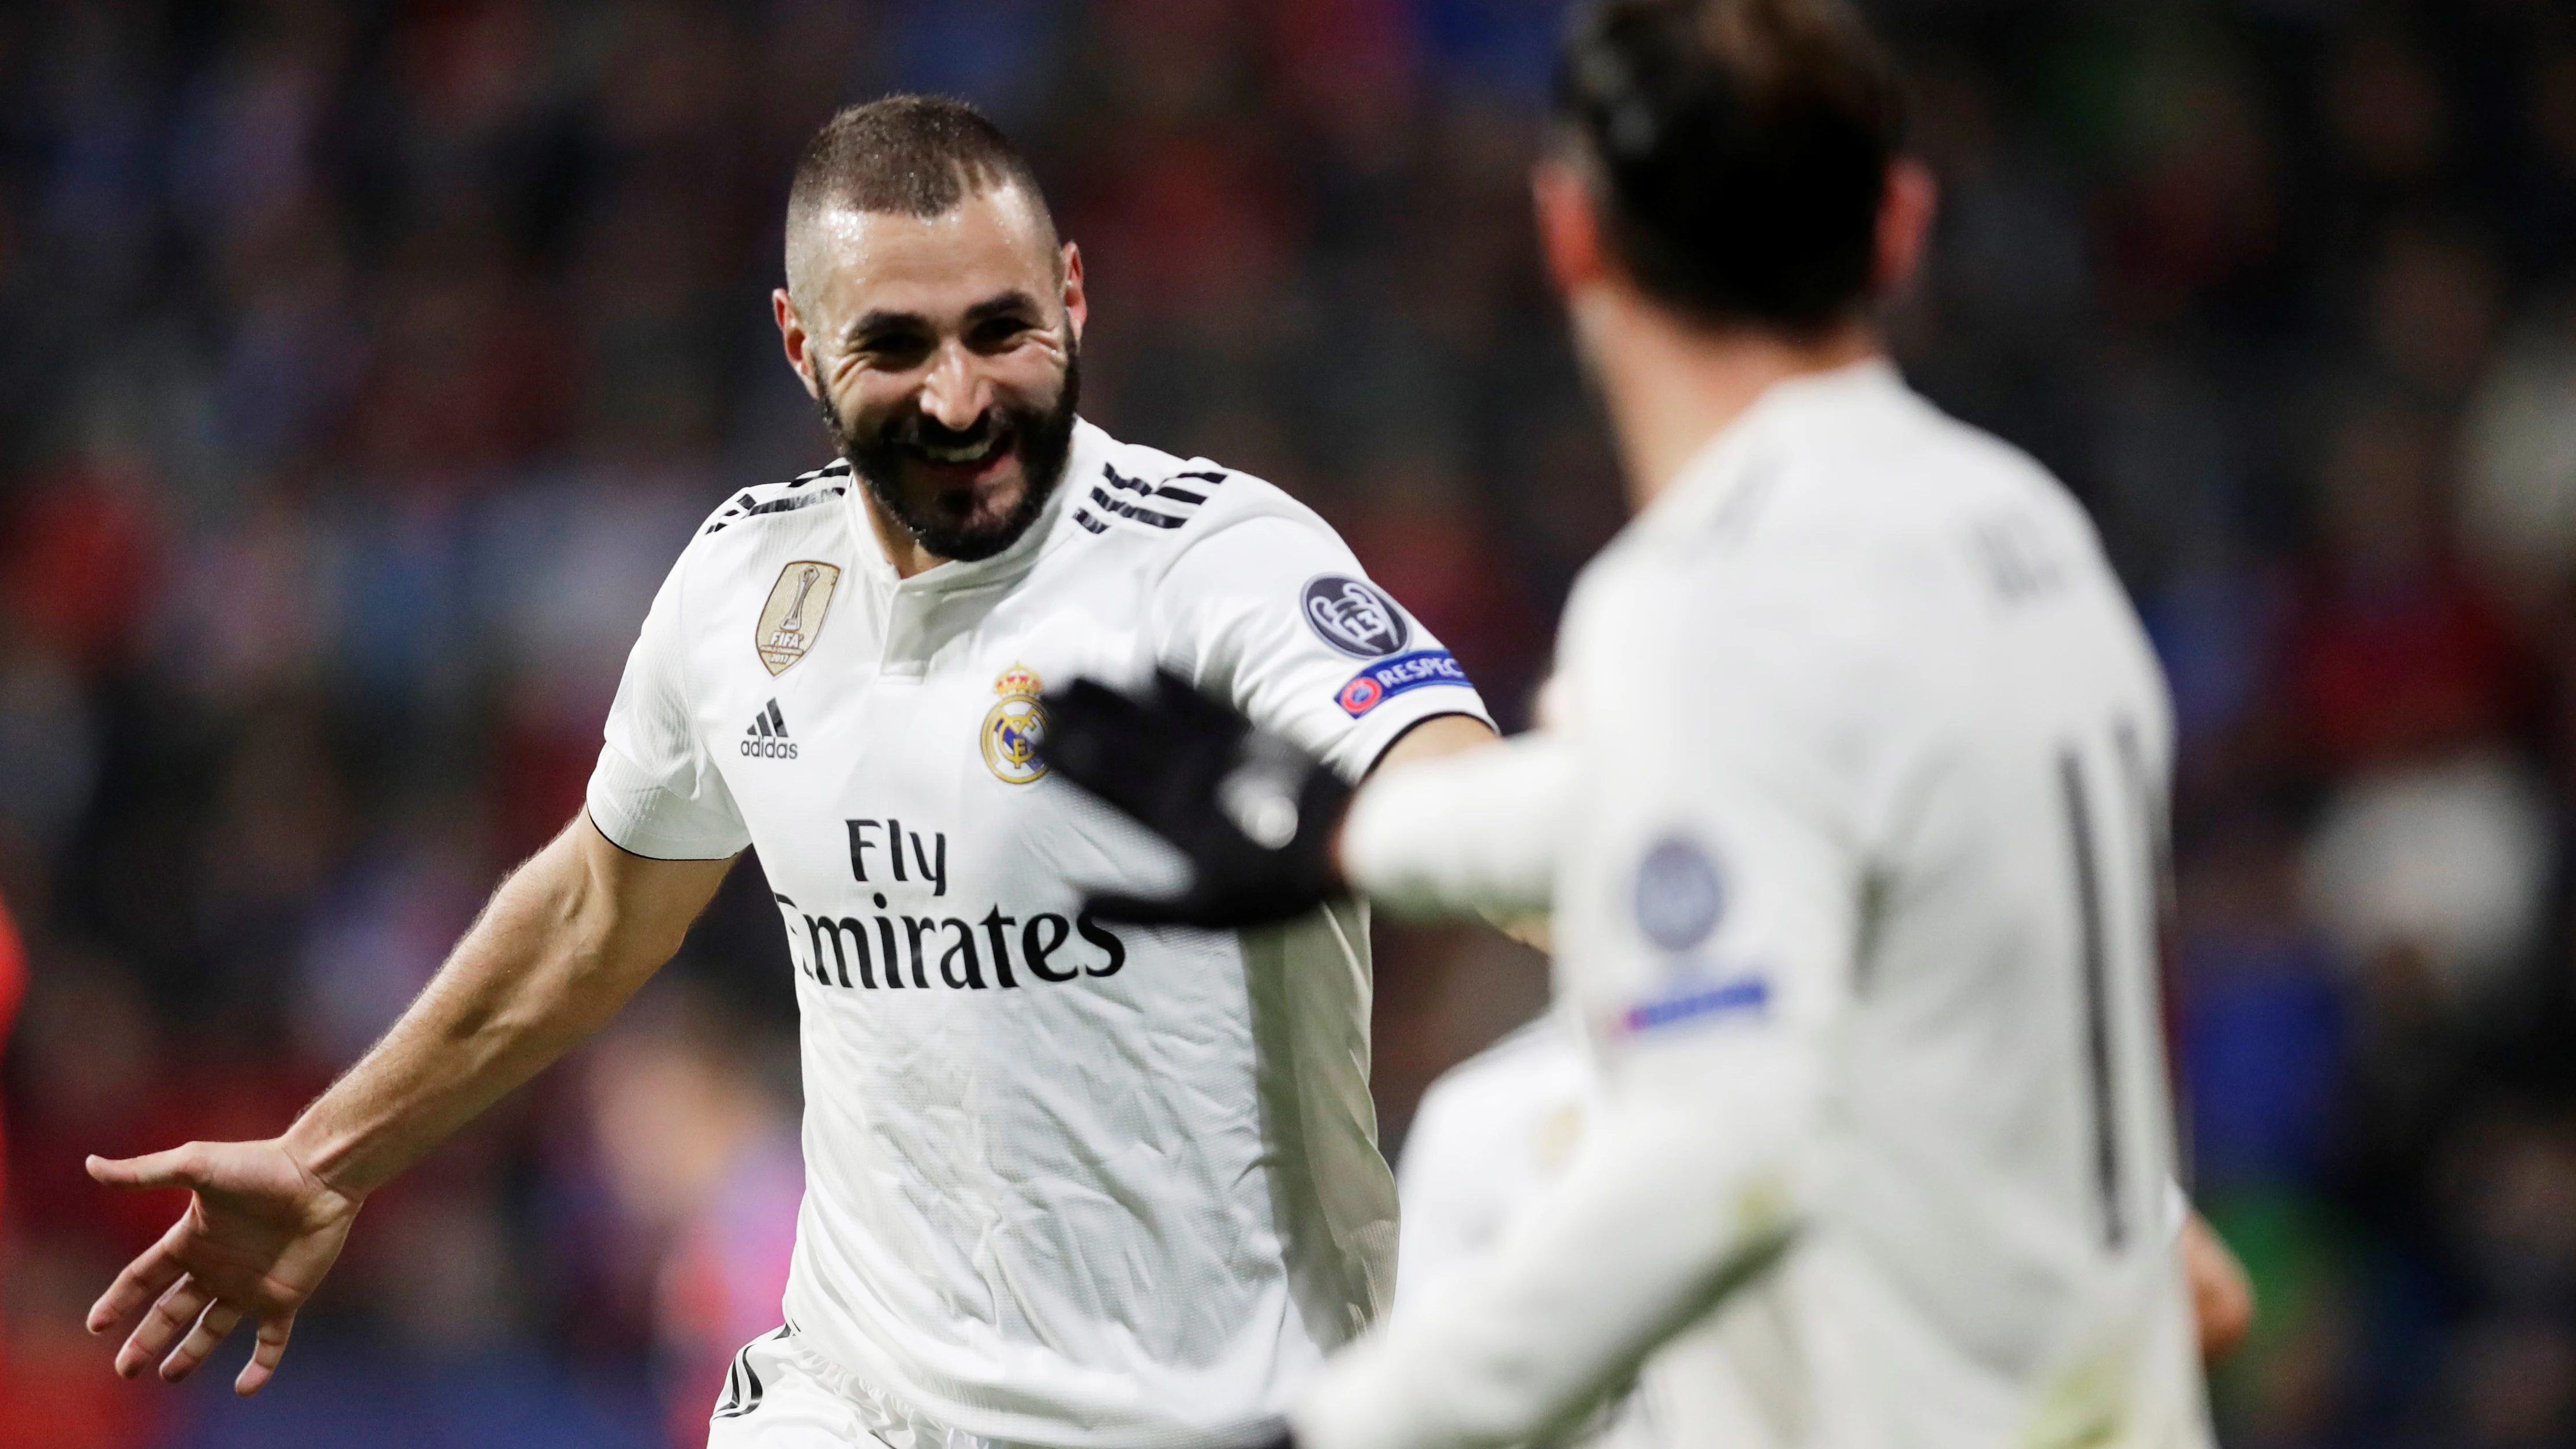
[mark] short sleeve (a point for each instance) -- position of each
(655, 792)
(1275, 615)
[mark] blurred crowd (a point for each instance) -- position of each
(363, 366)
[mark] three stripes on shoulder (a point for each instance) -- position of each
(789, 496)
(1172, 504)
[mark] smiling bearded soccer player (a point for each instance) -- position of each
(1067, 1184)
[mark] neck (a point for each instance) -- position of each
(1669, 387)
(901, 549)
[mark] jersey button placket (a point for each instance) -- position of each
(907, 617)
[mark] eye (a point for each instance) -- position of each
(996, 332)
(893, 348)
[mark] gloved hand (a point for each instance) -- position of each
(1274, 1434)
(1266, 1433)
(1254, 814)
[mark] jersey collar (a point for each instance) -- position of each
(1718, 474)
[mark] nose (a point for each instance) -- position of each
(956, 393)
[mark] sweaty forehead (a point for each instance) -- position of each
(845, 262)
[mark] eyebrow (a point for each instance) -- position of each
(1008, 302)
(1003, 304)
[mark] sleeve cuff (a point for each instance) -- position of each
(1356, 753)
(642, 816)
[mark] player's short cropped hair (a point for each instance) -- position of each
(913, 155)
(1739, 150)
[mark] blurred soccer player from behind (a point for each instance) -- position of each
(1849, 838)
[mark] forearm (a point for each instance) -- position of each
(551, 958)
(1677, 1198)
(1473, 832)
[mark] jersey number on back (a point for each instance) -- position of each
(2089, 838)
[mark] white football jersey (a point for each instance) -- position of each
(1490, 1135)
(1853, 830)
(1068, 1183)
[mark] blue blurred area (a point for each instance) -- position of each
(498, 1400)
(362, 366)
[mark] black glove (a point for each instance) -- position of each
(1269, 1433)
(1254, 814)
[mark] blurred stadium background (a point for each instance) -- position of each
(362, 366)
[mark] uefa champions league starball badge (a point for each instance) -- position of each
(793, 616)
(1014, 727)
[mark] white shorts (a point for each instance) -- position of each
(778, 1394)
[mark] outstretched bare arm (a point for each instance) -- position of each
(565, 941)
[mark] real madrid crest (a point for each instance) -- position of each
(793, 616)
(1014, 727)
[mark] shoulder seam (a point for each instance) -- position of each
(1233, 519)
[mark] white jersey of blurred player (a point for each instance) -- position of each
(1850, 833)
(1492, 1134)
(1489, 1137)
(1067, 1183)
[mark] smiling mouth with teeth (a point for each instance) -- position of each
(974, 452)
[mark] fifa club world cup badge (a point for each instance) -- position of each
(1014, 727)
(793, 616)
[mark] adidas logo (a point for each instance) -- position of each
(767, 738)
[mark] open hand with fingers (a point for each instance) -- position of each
(260, 1231)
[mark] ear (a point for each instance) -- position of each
(1905, 211)
(793, 340)
(1569, 227)
(1077, 306)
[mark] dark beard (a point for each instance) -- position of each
(1042, 437)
